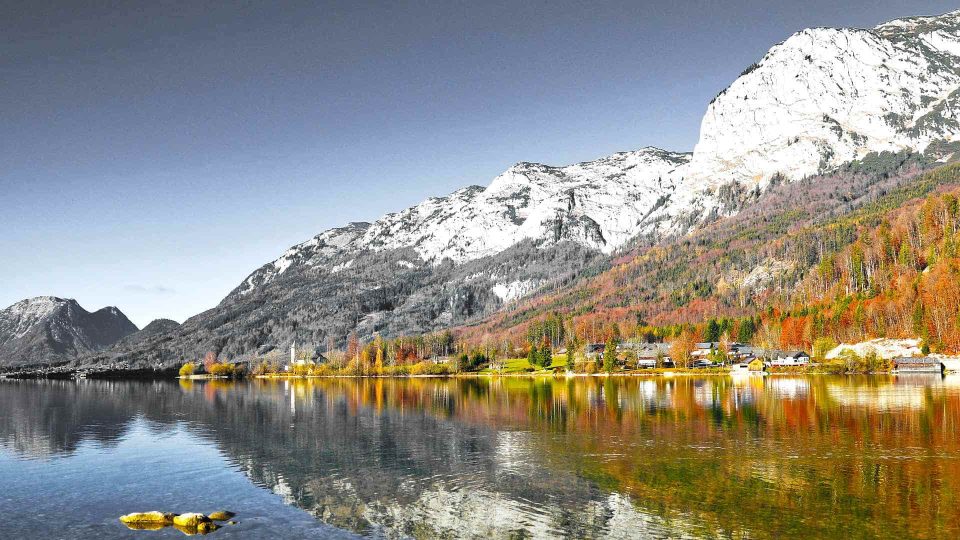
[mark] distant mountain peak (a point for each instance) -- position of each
(48, 328)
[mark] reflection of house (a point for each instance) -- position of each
(916, 364)
(788, 387)
(789, 358)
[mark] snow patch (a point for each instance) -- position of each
(508, 292)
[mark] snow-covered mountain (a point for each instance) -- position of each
(817, 101)
(48, 329)
(599, 204)
(822, 98)
(827, 96)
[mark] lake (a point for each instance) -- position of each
(617, 457)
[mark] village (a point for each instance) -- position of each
(625, 358)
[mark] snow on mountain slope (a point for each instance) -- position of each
(827, 96)
(598, 203)
(818, 100)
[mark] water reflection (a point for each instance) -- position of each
(757, 457)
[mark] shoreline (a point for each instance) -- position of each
(151, 375)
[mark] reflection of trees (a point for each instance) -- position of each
(774, 456)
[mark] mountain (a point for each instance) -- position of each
(822, 99)
(598, 204)
(49, 330)
(828, 96)
(794, 246)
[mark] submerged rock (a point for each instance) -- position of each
(203, 528)
(206, 527)
(221, 515)
(190, 523)
(146, 526)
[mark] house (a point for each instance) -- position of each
(315, 357)
(755, 365)
(650, 354)
(744, 352)
(735, 350)
(702, 350)
(594, 350)
(789, 358)
(922, 364)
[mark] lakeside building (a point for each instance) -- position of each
(650, 354)
(917, 364)
(316, 357)
(789, 358)
(594, 350)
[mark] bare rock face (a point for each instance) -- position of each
(49, 330)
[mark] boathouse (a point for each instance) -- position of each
(917, 364)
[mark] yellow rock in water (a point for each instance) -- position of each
(190, 519)
(221, 515)
(203, 528)
(147, 518)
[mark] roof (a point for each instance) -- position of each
(915, 360)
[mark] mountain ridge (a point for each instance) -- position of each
(820, 99)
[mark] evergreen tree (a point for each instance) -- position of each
(746, 330)
(609, 355)
(712, 332)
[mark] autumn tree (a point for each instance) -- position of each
(209, 360)
(682, 347)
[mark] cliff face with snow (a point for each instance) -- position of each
(827, 96)
(598, 204)
(822, 98)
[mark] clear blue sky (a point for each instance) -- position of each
(153, 155)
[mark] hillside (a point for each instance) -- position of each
(850, 256)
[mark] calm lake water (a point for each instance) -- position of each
(718, 457)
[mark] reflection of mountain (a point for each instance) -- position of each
(406, 470)
(50, 417)
(581, 458)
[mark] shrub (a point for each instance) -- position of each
(221, 369)
(300, 370)
(187, 369)
(264, 368)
